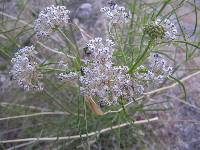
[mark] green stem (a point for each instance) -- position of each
(86, 122)
(78, 59)
(186, 42)
(140, 57)
(120, 43)
(50, 69)
(68, 40)
(163, 7)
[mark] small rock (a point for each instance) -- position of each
(84, 11)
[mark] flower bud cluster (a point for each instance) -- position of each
(154, 31)
(161, 29)
(116, 14)
(49, 19)
(24, 69)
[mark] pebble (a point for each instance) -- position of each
(84, 11)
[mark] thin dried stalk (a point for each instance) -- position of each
(34, 114)
(93, 106)
(4, 104)
(15, 18)
(83, 135)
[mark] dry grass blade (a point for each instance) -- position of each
(15, 18)
(4, 104)
(184, 102)
(34, 114)
(93, 106)
(21, 145)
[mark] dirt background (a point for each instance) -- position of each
(180, 128)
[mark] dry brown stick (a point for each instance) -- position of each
(81, 136)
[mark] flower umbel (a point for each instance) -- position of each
(24, 69)
(116, 14)
(157, 71)
(101, 79)
(49, 19)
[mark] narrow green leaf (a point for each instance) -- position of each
(182, 85)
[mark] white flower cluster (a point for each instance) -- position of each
(66, 76)
(24, 69)
(116, 14)
(157, 70)
(49, 19)
(169, 28)
(100, 78)
(70, 76)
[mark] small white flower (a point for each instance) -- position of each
(157, 70)
(24, 69)
(49, 19)
(70, 76)
(116, 14)
(101, 79)
(169, 28)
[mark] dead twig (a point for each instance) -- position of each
(83, 135)
(34, 114)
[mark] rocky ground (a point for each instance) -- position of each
(180, 128)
